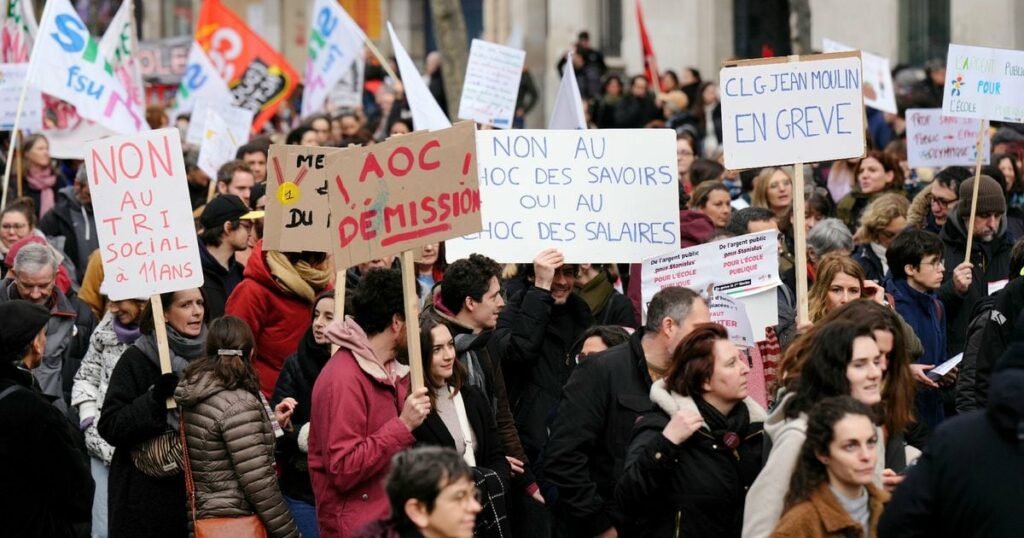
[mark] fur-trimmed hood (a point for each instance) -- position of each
(670, 402)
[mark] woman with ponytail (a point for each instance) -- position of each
(230, 430)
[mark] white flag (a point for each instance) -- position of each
(121, 49)
(201, 81)
(335, 42)
(426, 113)
(568, 110)
(219, 144)
(67, 64)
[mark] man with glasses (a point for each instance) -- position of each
(227, 224)
(432, 493)
(943, 194)
(33, 277)
(966, 283)
(917, 269)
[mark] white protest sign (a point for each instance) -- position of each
(426, 113)
(237, 119)
(776, 111)
(66, 69)
(219, 145)
(143, 216)
(12, 77)
(598, 196)
(492, 84)
(732, 314)
(335, 42)
(201, 82)
(348, 92)
(879, 91)
(934, 140)
(984, 83)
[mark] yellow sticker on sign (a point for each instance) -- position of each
(288, 193)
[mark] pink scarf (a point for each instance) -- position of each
(42, 180)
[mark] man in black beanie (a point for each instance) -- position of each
(46, 488)
(989, 264)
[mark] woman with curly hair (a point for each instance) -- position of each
(881, 222)
(831, 491)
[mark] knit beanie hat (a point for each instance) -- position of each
(990, 197)
(22, 323)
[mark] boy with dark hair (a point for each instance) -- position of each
(432, 493)
(917, 268)
(357, 422)
(227, 223)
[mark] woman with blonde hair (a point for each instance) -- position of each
(839, 280)
(773, 189)
(881, 222)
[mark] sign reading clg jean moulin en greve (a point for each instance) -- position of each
(140, 199)
(599, 196)
(780, 111)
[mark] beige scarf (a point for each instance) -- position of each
(301, 280)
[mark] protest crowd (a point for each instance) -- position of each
(453, 388)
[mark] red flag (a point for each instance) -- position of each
(650, 63)
(259, 76)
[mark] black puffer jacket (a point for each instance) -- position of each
(697, 488)
(991, 264)
(296, 381)
(996, 333)
(604, 398)
(231, 451)
(968, 481)
(533, 339)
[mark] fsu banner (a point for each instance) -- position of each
(259, 76)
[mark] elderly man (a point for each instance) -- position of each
(32, 278)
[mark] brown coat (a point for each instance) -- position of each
(821, 516)
(231, 449)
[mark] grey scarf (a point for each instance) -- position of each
(182, 350)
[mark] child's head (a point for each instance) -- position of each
(916, 255)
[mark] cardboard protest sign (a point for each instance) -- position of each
(879, 90)
(984, 83)
(71, 68)
(335, 43)
(598, 196)
(298, 213)
(140, 199)
(935, 140)
(238, 120)
(492, 84)
(12, 78)
(395, 196)
(777, 111)
(218, 147)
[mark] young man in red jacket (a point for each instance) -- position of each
(358, 420)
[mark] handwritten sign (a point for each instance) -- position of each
(879, 90)
(218, 146)
(298, 213)
(599, 196)
(777, 111)
(73, 71)
(935, 140)
(12, 77)
(492, 84)
(984, 83)
(144, 220)
(238, 121)
(395, 196)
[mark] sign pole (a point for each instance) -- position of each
(17, 157)
(339, 299)
(412, 320)
(160, 325)
(380, 58)
(800, 242)
(977, 180)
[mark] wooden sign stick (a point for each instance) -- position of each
(800, 242)
(979, 147)
(17, 158)
(412, 320)
(160, 325)
(339, 299)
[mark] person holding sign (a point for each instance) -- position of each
(136, 422)
(358, 421)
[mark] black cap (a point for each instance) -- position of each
(22, 322)
(226, 208)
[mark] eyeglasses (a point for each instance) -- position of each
(942, 202)
(14, 226)
(934, 264)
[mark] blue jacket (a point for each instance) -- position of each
(924, 313)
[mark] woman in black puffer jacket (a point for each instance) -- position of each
(229, 432)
